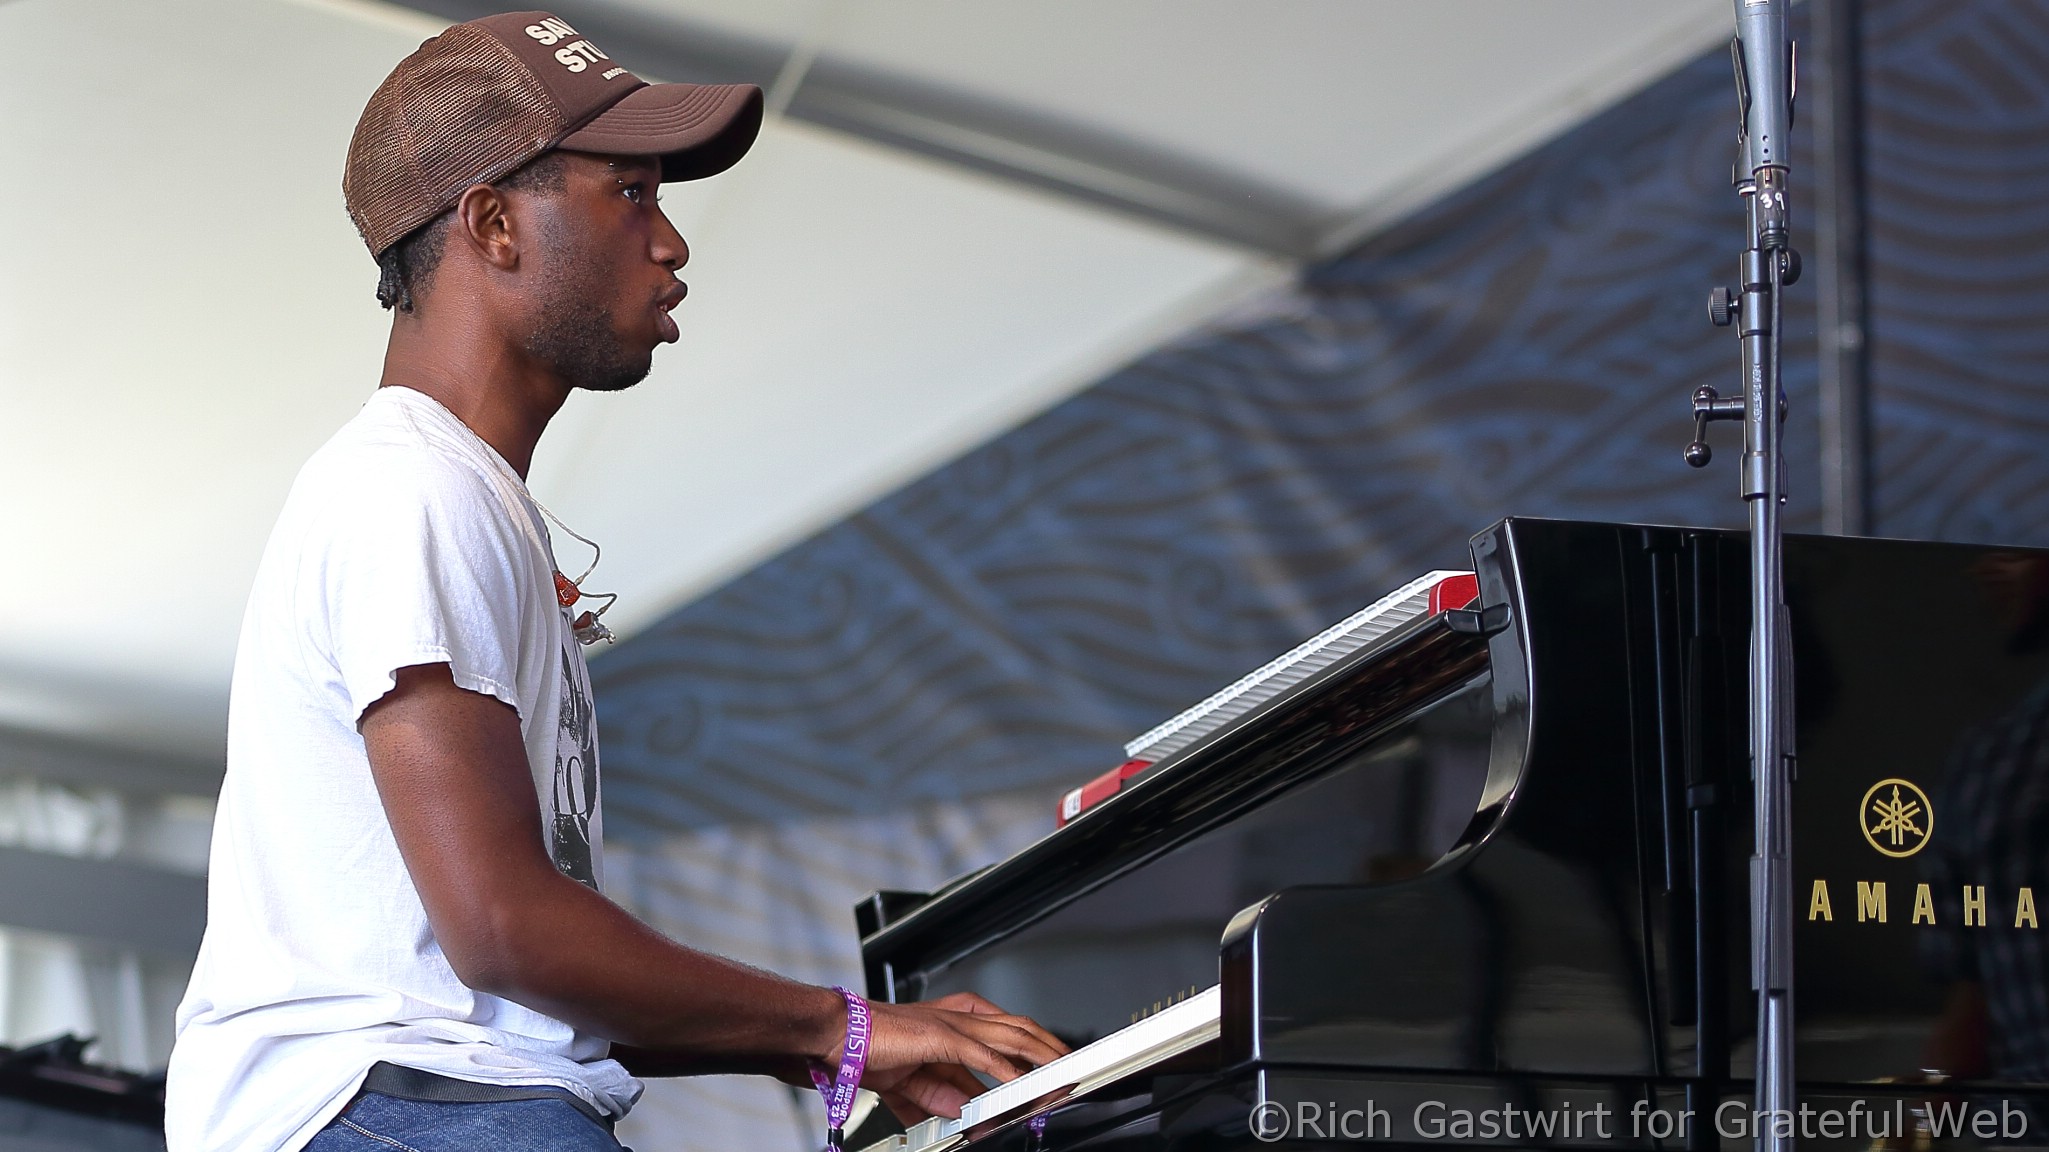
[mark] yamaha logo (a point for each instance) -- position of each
(1896, 817)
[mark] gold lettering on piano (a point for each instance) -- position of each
(1924, 904)
(1980, 905)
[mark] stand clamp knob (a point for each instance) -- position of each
(1721, 308)
(1789, 267)
(1708, 406)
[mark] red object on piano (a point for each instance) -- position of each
(1454, 592)
(1098, 790)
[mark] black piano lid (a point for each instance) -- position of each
(1206, 784)
(1589, 927)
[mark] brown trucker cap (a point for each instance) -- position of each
(486, 96)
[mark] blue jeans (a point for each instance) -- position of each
(380, 1123)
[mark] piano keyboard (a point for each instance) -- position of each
(1165, 1034)
(1313, 655)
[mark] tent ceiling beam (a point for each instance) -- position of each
(110, 900)
(992, 137)
(61, 760)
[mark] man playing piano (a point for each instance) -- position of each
(406, 943)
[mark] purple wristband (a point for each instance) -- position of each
(839, 1090)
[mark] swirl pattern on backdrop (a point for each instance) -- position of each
(1526, 346)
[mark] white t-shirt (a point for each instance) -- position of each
(405, 540)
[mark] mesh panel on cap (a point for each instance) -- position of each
(462, 110)
(378, 185)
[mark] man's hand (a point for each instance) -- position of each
(922, 1057)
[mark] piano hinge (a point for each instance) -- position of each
(1480, 622)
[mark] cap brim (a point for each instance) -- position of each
(698, 130)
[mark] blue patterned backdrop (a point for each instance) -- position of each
(1958, 98)
(1521, 347)
(1525, 346)
(904, 695)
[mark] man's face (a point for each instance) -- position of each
(603, 277)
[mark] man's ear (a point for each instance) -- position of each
(482, 222)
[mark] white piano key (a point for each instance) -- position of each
(1165, 1034)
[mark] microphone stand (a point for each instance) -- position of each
(1764, 84)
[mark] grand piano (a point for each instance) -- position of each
(1470, 869)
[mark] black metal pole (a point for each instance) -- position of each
(1839, 301)
(1771, 882)
(1764, 84)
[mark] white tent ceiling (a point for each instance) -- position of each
(185, 312)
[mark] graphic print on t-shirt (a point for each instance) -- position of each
(576, 774)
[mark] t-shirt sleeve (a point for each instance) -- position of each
(420, 566)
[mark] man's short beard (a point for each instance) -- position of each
(574, 334)
(575, 337)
